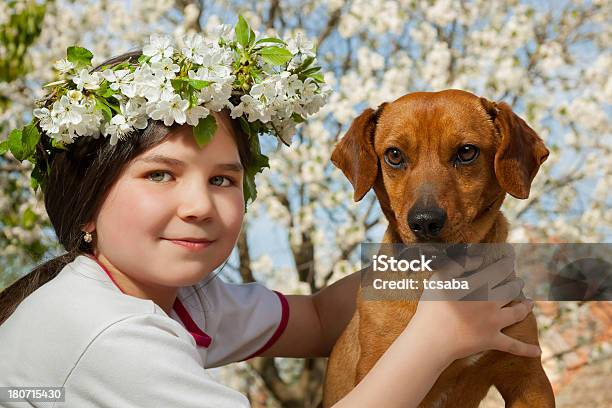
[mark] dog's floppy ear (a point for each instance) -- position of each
(355, 154)
(520, 152)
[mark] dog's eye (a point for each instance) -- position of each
(467, 154)
(394, 157)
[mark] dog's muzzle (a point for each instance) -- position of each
(426, 223)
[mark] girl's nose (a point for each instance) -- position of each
(196, 203)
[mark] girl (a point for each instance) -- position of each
(131, 316)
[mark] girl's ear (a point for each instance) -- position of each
(89, 227)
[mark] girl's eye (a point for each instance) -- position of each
(221, 181)
(154, 176)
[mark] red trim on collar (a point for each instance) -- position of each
(279, 330)
(202, 339)
(105, 270)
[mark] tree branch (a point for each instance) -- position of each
(245, 259)
(274, 8)
(333, 21)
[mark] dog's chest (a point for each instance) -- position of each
(460, 378)
(441, 401)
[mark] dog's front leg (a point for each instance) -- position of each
(522, 381)
(526, 385)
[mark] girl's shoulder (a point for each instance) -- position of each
(59, 322)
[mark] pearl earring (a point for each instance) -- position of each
(87, 237)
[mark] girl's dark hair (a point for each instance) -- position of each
(79, 181)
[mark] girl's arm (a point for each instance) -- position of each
(403, 375)
(316, 321)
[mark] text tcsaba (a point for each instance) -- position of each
(384, 263)
(413, 284)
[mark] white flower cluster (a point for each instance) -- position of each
(71, 116)
(277, 98)
(280, 95)
(148, 90)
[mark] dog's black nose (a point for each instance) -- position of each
(426, 223)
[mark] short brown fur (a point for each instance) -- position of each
(429, 127)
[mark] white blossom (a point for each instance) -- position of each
(118, 128)
(216, 96)
(121, 79)
(170, 111)
(48, 120)
(85, 80)
(63, 65)
(165, 68)
(195, 48)
(66, 112)
(159, 47)
(215, 65)
(195, 113)
(253, 108)
(300, 44)
(157, 89)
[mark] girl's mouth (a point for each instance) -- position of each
(191, 245)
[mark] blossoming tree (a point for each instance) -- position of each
(549, 61)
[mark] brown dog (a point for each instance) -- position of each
(440, 164)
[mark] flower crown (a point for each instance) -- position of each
(269, 84)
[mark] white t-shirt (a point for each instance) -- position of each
(109, 349)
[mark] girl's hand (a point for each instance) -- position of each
(462, 327)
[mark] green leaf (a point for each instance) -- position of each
(104, 91)
(248, 186)
(106, 111)
(275, 55)
(248, 182)
(198, 84)
(37, 177)
(310, 71)
(121, 66)
(258, 163)
(50, 84)
(193, 99)
(271, 40)
(29, 139)
(79, 55)
(244, 124)
(242, 32)
(58, 145)
(305, 64)
(14, 141)
(177, 83)
(297, 118)
(318, 77)
(251, 38)
(261, 162)
(4, 147)
(34, 182)
(29, 219)
(205, 130)
(113, 105)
